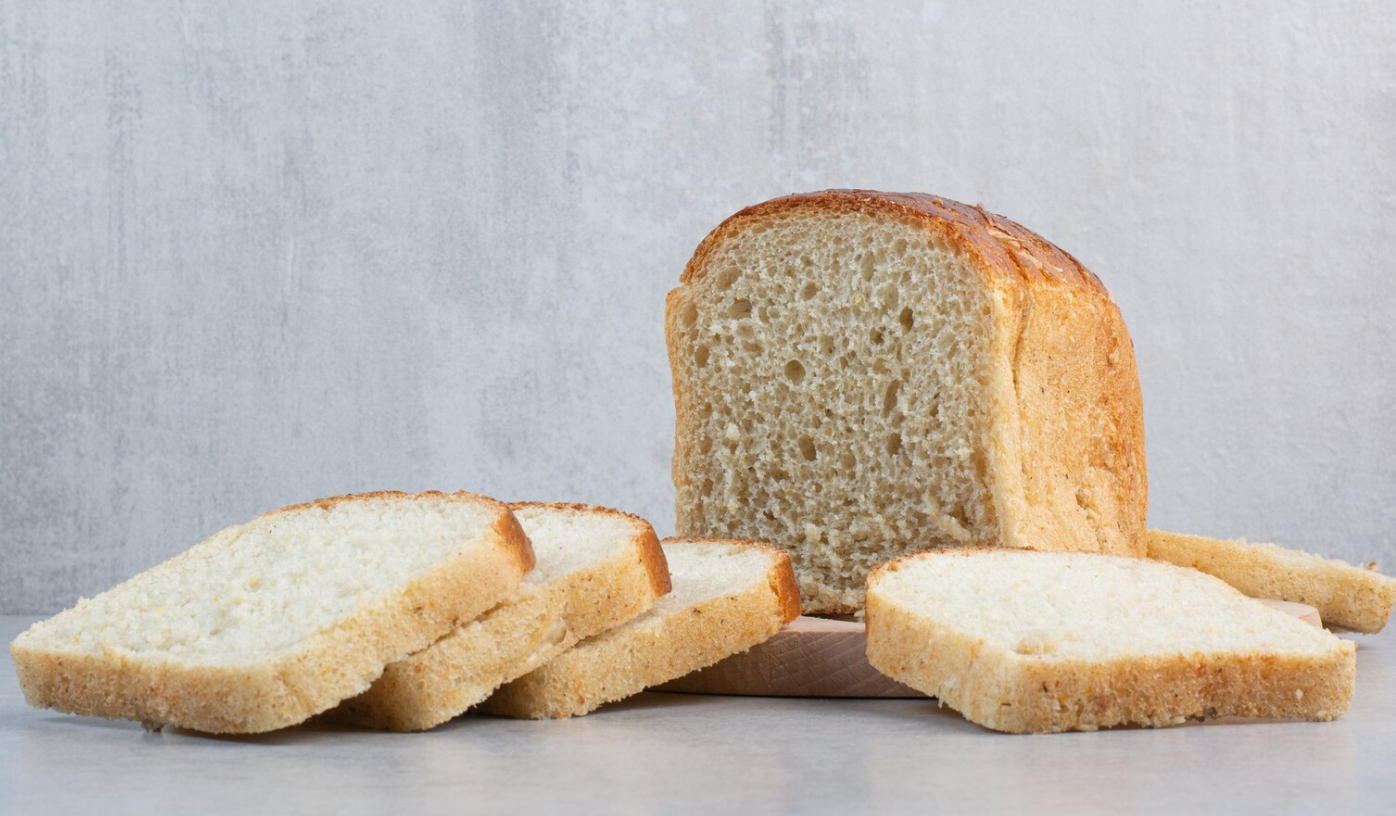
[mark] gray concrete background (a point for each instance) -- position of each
(255, 253)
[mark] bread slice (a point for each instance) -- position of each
(728, 596)
(266, 623)
(1345, 595)
(860, 375)
(1025, 641)
(597, 568)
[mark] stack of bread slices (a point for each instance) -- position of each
(398, 611)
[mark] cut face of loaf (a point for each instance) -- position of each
(861, 375)
(266, 623)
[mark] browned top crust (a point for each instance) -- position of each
(651, 554)
(997, 243)
(783, 581)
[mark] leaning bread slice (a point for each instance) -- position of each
(728, 596)
(597, 568)
(1025, 641)
(1347, 596)
(267, 623)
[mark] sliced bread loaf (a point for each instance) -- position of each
(267, 623)
(1352, 597)
(859, 375)
(597, 568)
(1025, 641)
(727, 597)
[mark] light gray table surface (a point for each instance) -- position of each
(671, 753)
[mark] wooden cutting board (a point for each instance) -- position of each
(824, 657)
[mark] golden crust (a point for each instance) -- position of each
(622, 662)
(646, 545)
(536, 624)
(1344, 595)
(782, 580)
(443, 680)
(782, 576)
(967, 227)
(333, 664)
(1007, 692)
(1066, 451)
(1070, 474)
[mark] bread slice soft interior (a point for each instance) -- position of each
(727, 597)
(596, 568)
(859, 375)
(1025, 641)
(1352, 597)
(267, 623)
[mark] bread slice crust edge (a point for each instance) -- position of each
(1345, 595)
(337, 662)
(1008, 692)
(608, 668)
(647, 545)
(533, 626)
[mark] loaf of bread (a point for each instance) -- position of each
(727, 597)
(1344, 595)
(859, 375)
(1025, 641)
(267, 623)
(596, 568)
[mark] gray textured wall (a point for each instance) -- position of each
(262, 253)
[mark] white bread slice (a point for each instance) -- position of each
(597, 568)
(1025, 641)
(267, 623)
(859, 375)
(728, 596)
(1345, 595)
